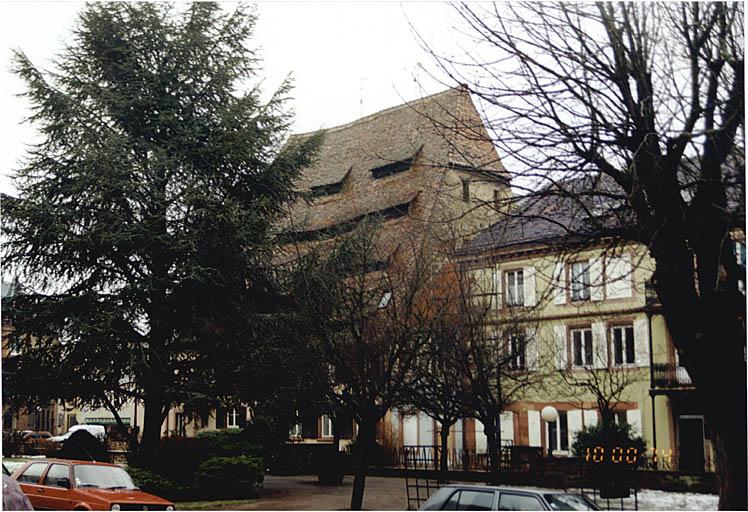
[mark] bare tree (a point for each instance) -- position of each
(647, 101)
(366, 312)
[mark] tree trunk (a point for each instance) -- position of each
(444, 458)
(489, 428)
(730, 445)
(153, 418)
(366, 440)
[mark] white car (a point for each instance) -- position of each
(98, 431)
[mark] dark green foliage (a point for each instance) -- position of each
(229, 443)
(609, 437)
(142, 228)
(12, 441)
(330, 466)
(177, 458)
(230, 477)
(153, 483)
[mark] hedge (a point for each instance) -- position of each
(230, 477)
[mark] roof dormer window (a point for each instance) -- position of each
(327, 190)
(391, 168)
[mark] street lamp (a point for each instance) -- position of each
(549, 414)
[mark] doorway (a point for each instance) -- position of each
(691, 443)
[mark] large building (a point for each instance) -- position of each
(595, 319)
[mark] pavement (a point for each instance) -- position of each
(304, 493)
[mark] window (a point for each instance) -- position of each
(623, 345)
(496, 198)
(326, 190)
(475, 500)
(180, 427)
(326, 426)
(32, 473)
(620, 417)
(390, 169)
(466, 191)
(469, 500)
(385, 300)
(515, 288)
(295, 430)
(58, 476)
(232, 419)
(558, 433)
(517, 352)
(580, 280)
(581, 340)
(510, 501)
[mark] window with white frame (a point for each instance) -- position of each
(558, 433)
(295, 430)
(326, 426)
(581, 347)
(232, 419)
(623, 344)
(515, 288)
(517, 352)
(580, 280)
(385, 300)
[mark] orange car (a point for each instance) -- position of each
(56, 484)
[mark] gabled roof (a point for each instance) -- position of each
(422, 138)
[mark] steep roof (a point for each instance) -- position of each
(422, 137)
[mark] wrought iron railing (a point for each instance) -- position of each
(665, 375)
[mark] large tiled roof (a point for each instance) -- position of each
(428, 134)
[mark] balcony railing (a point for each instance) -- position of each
(670, 376)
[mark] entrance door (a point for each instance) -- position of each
(691, 443)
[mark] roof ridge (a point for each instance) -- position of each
(407, 104)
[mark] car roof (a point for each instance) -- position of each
(544, 490)
(75, 462)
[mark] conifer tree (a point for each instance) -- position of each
(142, 225)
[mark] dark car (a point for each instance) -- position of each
(481, 497)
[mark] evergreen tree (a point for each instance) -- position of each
(143, 222)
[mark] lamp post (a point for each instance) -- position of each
(549, 414)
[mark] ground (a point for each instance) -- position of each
(303, 493)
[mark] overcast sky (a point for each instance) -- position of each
(347, 59)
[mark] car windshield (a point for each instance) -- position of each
(103, 477)
(568, 501)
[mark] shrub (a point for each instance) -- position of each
(12, 441)
(159, 485)
(178, 457)
(330, 466)
(377, 455)
(229, 443)
(615, 435)
(230, 477)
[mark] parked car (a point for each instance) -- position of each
(98, 431)
(58, 484)
(482, 497)
(34, 442)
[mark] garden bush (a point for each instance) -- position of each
(229, 443)
(230, 477)
(178, 457)
(81, 445)
(161, 486)
(330, 466)
(610, 437)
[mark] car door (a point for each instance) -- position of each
(29, 481)
(56, 486)
(520, 501)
